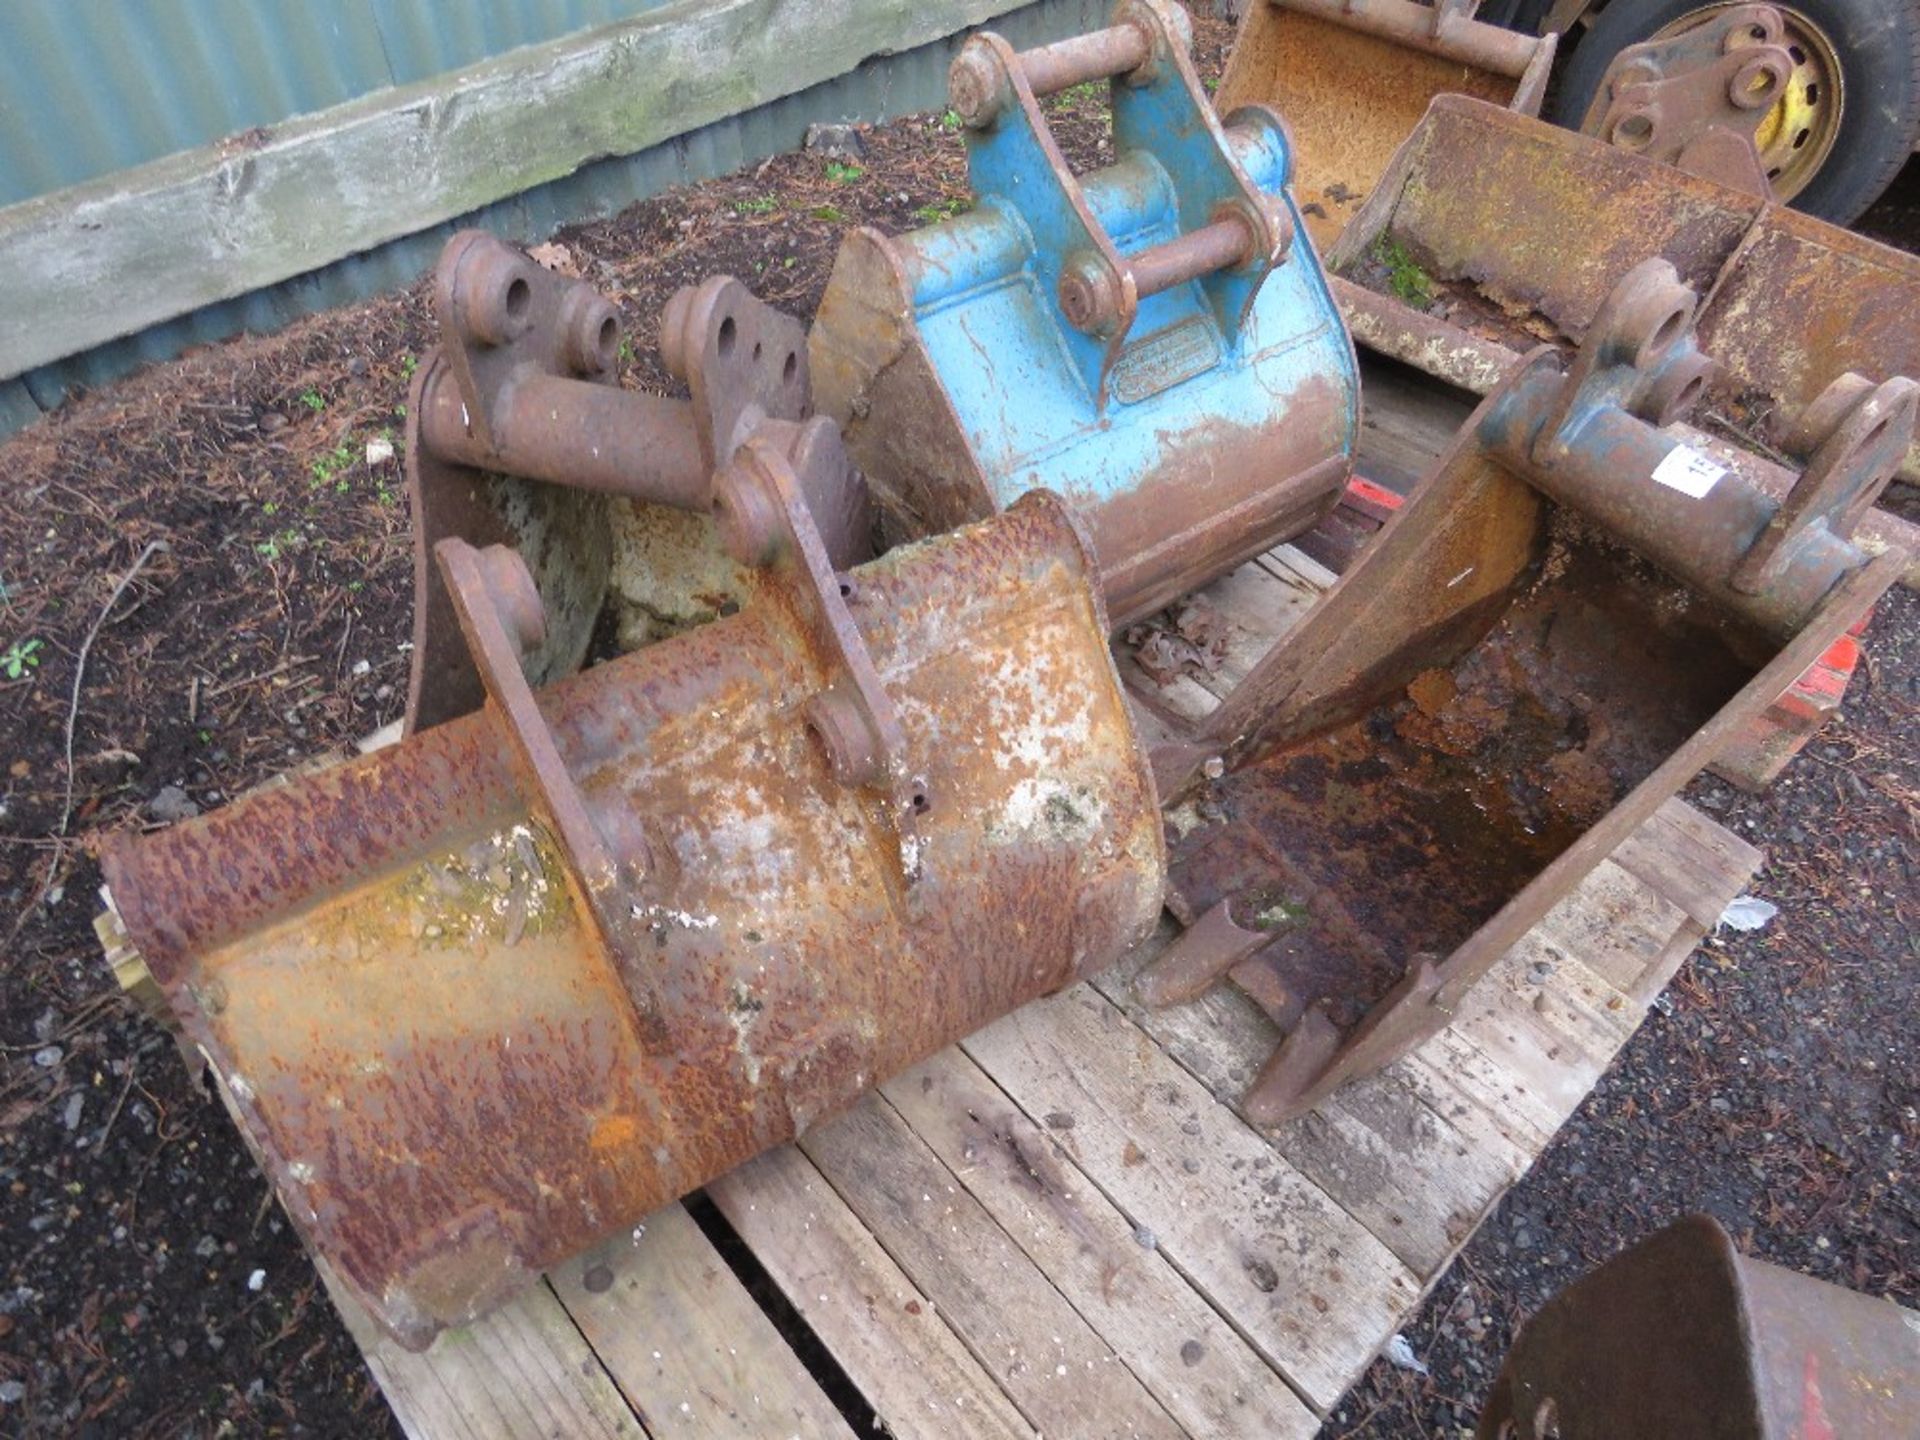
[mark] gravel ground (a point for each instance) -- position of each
(211, 539)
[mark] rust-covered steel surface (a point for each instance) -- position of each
(1149, 340)
(1353, 80)
(1569, 618)
(517, 435)
(456, 1077)
(1697, 98)
(1527, 227)
(1475, 363)
(1683, 1338)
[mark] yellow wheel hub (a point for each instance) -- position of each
(1800, 128)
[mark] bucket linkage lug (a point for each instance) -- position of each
(518, 433)
(1696, 99)
(761, 471)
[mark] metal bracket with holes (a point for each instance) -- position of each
(519, 434)
(1145, 338)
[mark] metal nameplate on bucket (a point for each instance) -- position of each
(1162, 361)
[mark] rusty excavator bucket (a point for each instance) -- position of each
(1353, 78)
(1492, 232)
(1573, 614)
(588, 937)
(1150, 341)
(1683, 1337)
(565, 953)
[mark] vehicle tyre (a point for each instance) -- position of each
(1873, 44)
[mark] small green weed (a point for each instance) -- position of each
(830, 213)
(20, 657)
(950, 121)
(1411, 285)
(757, 205)
(330, 467)
(942, 210)
(842, 173)
(313, 400)
(409, 364)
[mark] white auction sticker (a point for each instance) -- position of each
(1688, 471)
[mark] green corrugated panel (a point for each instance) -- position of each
(427, 40)
(897, 84)
(88, 87)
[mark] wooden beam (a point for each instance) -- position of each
(1062, 1373)
(883, 1332)
(524, 1370)
(1312, 1291)
(1159, 1327)
(110, 257)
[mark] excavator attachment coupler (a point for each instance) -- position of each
(1572, 615)
(1151, 341)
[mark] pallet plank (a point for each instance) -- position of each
(523, 1371)
(881, 1329)
(1306, 1284)
(1397, 1165)
(1552, 1043)
(1400, 1169)
(1259, 607)
(694, 1355)
(1661, 972)
(1258, 603)
(1696, 864)
(1064, 1378)
(1189, 1358)
(1614, 922)
(1405, 423)
(1459, 1079)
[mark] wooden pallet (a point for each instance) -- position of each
(1062, 1227)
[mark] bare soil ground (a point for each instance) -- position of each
(206, 580)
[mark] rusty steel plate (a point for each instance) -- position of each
(1352, 95)
(1524, 228)
(1683, 1338)
(1555, 632)
(455, 1081)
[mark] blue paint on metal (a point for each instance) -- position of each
(1223, 352)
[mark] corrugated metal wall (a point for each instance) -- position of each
(88, 87)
